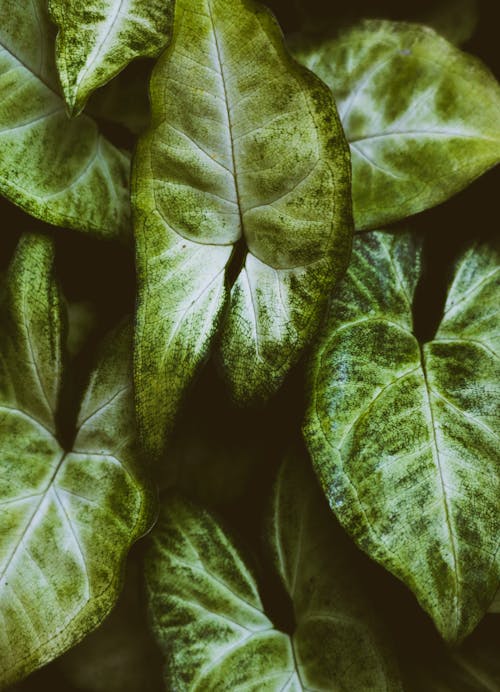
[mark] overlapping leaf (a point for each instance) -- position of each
(405, 437)
(245, 149)
(98, 38)
(421, 117)
(63, 172)
(68, 516)
(209, 620)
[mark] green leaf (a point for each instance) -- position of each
(97, 39)
(209, 620)
(404, 437)
(338, 641)
(245, 150)
(421, 117)
(65, 173)
(68, 516)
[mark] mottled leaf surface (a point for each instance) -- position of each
(404, 437)
(68, 516)
(98, 38)
(63, 172)
(245, 150)
(209, 620)
(421, 117)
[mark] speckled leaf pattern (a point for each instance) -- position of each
(209, 620)
(67, 517)
(98, 38)
(421, 117)
(63, 172)
(206, 612)
(404, 437)
(245, 148)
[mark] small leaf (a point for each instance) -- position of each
(209, 620)
(404, 437)
(245, 148)
(65, 173)
(68, 516)
(98, 38)
(421, 117)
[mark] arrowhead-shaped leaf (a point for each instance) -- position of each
(421, 117)
(245, 148)
(209, 620)
(63, 172)
(68, 516)
(404, 437)
(98, 38)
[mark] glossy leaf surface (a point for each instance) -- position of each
(404, 437)
(246, 150)
(98, 38)
(209, 620)
(63, 172)
(68, 516)
(421, 117)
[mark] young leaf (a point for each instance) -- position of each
(404, 437)
(68, 516)
(65, 173)
(421, 117)
(209, 620)
(97, 39)
(245, 147)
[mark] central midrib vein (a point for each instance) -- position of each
(228, 112)
(442, 483)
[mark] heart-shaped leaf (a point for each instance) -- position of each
(245, 148)
(63, 172)
(98, 38)
(68, 516)
(421, 117)
(209, 620)
(404, 437)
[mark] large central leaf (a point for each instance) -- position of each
(209, 620)
(64, 172)
(405, 437)
(245, 148)
(68, 516)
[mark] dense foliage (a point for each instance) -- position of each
(250, 410)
